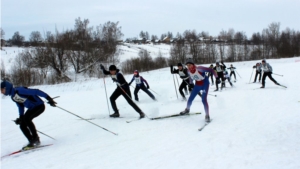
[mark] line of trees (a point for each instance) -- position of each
(80, 49)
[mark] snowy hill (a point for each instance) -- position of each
(252, 128)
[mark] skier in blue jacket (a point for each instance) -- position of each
(30, 99)
(139, 80)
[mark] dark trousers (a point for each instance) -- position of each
(269, 74)
(127, 95)
(182, 86)
(256, 74)
(27, 126)
(136, 90)
(219, 78)
(233, 73)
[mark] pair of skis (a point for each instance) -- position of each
(31, 149)
(175, 115)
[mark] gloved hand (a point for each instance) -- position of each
(222, 62)
(270, 72)
(115, 80)
(51, 101)
(101, 66)
(19, 120)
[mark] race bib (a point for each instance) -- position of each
(181, 73)
(19, 99)
(197, 76)
(219, 69)
(138, 80)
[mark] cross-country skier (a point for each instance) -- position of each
(211, 75)
(139, 80)
(232, 72)
(30, 99)
(197, 73)
(219, 69)
(258, 71)
(183, 73)
(122, 89)
(227, 77)
(267, 68)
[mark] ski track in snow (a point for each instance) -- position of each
(251, 128)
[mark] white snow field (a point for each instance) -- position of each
(252, 128)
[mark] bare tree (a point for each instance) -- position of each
(35, 38)
(17, 39)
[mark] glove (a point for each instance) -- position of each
(222, 62)
(101, 66)
(51, 101)
(270, 73)
(19, 120)
(115, 80)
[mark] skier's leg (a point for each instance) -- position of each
(113, 99)
(136, 90)
(148, 92)
(30, 115)
(263, 79)
(129, 100)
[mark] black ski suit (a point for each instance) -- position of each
(122, 89)
(219, 69)
(185, 79)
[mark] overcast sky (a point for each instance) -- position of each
(154, 16)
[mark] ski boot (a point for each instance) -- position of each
(207, 118)
(116, 114)
(32, 144)
(142, 115)
(185, 112)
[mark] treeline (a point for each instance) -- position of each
(82, 48)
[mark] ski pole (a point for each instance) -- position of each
(45, 134)
(212, 95)
(87, 120)
(39, 132)
(175, 86)
(177, 80)
(106, 95)
(154, 92)
(251, 75)
(238, 74)
(277, 74)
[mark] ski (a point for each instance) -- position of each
(129, 121)
(20, 151)
(206, 123)
(282, 86)
(174, 115)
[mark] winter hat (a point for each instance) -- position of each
(8, 87)
(263, 60)
(112, 67)
(3, 84)
(179, 64)
(190, 61)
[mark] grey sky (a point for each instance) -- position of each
(154, 16)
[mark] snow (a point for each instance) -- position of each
(252, 128)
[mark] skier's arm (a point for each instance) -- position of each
(205, 69)
(144, 80)
(103, 70)
(21, 109)
(131, 81)
(173, 71)
(29, 92)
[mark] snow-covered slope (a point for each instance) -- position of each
(251, 127)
